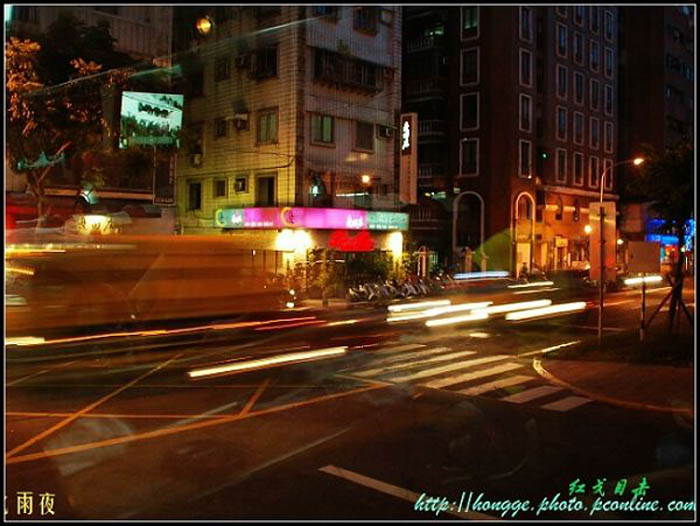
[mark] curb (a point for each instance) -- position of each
(537, 365)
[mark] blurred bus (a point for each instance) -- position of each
(60, 281)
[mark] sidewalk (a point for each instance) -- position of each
(634, 386)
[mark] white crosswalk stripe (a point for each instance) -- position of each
(415, 363)
(501, 383)
(446, 368)
(445, 382)
(532, 394)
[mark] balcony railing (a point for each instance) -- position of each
(428, 170)
(424, 43)
(431, 86)
(432, 127)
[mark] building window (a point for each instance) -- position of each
(578, 87)
(526, 24)
(562, 40)
(336, 69)
(222, 69)
(595, 94)
(595, 133)
(595, 55)
(322, 129)
(578, 128)
(194, 201)
(561, 123)
(608, 62)
(470, 111)
(608, 26)
(525, 113)
(608, 137)
(366, 19)
(364, 136)
(264, 63)
(578, 15)
(561, 166)
(470, 66)
(525, 159)
(578, 48)
(220, 187)
(561, 11)
(608, 174)
(595, 19)
(469, 157)
(265, 194)
(195, 138)
(577, 210)
(326, 11)
(578, 169)
(525, 68)
(562, 75)
(593, 172)
(220, 128)
(608, 100)
(470, 22)
(241, 184)
(267, 127)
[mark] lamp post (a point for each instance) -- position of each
(601, 293)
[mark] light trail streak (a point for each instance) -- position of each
(553, 309)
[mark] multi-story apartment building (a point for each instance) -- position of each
(533, 92)
(291, 114)
(657, 96)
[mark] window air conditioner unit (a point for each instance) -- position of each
(196, 159)
(240, 121)
(384, 132)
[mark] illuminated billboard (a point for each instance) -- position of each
(150, 119)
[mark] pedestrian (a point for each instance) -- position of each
(523, 271)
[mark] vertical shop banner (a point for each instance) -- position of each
(610, 239)
(408, 148)
(164, 183)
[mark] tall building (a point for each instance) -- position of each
(532, 91)
(291, 114)
(657, 95)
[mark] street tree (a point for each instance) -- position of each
(667, 182)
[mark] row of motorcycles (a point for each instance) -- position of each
(393, 289)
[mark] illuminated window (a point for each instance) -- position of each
(470, 22)
(322, 129)
(525, 169)
(267, 127)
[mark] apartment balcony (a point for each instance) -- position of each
(435, 86)
(432, 128)
(425, 43)
(430, 170)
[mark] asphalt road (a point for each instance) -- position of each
(118, 428)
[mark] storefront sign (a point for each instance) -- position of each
(408, 180)
(341, 240)
(313, 218)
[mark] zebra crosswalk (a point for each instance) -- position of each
(499, 376)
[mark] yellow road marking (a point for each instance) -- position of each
(84, 410)
(164, 432)
(255, 397)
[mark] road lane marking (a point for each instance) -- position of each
(255, 397)
(174, 416)
(413, 363)
(448, 368)
(198, 425)
(550, 349)
(497, 384)
(394, 491)
(59, 366)
(491, 371)
(84, 410)
(531, 394)
(404, 357)
(399, 348)
(617, 329)
(566, 404)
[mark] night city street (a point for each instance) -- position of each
(350, 263)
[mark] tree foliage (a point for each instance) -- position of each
(667, 181)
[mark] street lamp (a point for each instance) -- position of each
(636, 161)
